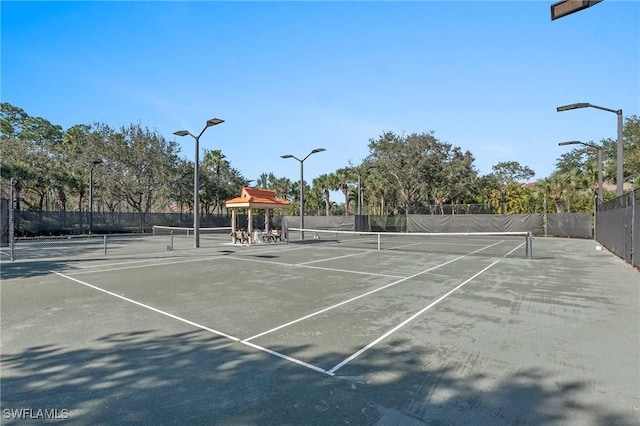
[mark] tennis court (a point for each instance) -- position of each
(329, 330)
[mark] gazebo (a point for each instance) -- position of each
(253, 198)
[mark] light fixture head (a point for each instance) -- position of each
(286, 156)
(573, 106)
(214, 121)
(97, 161)
(569, 143)
(318, 150)
(181, 133)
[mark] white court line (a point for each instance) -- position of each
(363, 295)
(514, 249)
(126, 299)
(333, 370)
(142, 263)
(334, 258)
(149, 264)
(283, 356)
(195, 324)
(301, 265)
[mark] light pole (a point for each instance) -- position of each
(302, 184)
(619, 170)
(599, 148)
(93, 164)
(196, 178)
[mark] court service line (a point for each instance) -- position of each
(344, 302)
(341, 364)
(300, 265)
(195, 324)
(334, 258)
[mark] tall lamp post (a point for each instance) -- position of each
(619, 170)
(93, 164)
(302, 184)
(599, 148)
(196, 178)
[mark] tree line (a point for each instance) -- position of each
(136, 169)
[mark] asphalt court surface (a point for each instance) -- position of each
(378, 337)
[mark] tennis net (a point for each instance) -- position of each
(513, 244)
(219, 233)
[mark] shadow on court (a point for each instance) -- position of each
(31, 269)
(198, 378)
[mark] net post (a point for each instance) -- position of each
(104, 239)
(529, 245)
(378, 241)
(171, 241)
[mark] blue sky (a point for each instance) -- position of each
(289, 77)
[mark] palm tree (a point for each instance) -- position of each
(283, 187)
(216, 160)
(345, 179)
(378, 187)
(325, 183)
(554, 186)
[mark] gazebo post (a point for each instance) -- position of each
(233, 223)
(250, 226)
(266, 220)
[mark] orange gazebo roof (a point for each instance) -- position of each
(257, 198)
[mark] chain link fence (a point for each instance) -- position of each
(618, 226)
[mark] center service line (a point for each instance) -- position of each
(333, 370)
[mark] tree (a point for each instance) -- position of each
(344, 177)
(457, 179)
(140, 164)
(506, 174)
(377, 186)
(631, 160)
(325, 183)
(419, 167)
(511, 171)
(554, 187)
(216, 159)
(283, 187)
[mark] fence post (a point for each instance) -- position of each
(595, 213)
(633, 221)
(545, 219)
(11, 224)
